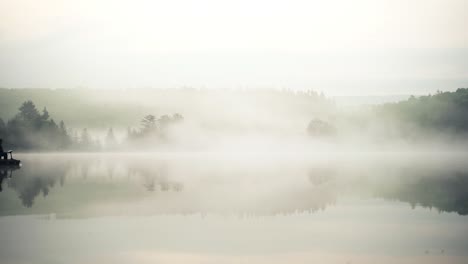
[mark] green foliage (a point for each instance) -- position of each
(442, 111)
(29, 130)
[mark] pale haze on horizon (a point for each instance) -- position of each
(363, 47)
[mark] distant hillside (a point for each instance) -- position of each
(444, 111)
(356, 101)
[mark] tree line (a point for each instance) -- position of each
(31, 129)
(442, 113)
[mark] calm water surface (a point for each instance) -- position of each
(242, 208)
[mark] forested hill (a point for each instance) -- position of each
(442, 111)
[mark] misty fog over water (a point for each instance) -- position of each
(260, 176)
(212, 208)
(203, 176)
(195, 120)
(226, 132)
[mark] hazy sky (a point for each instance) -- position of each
(337, 46)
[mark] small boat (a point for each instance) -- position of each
(11, 161)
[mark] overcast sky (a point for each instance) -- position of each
(340, 47)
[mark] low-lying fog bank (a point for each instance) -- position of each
(232, 121)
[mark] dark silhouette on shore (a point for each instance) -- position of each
(4, 161)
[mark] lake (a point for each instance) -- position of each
(235, 208)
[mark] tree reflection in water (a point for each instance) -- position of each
(443, 188)
(6, 173)
(39, 177)
(446, 193)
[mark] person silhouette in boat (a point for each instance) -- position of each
(3, 154)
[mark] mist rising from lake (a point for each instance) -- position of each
(213, 208)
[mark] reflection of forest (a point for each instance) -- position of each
(154, 178)
(444, 190)
(6, 172)
(39, 177)
(30, 182)
(446, 193)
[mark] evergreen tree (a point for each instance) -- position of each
(28, 111)
(45, 114)
(31, 130)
